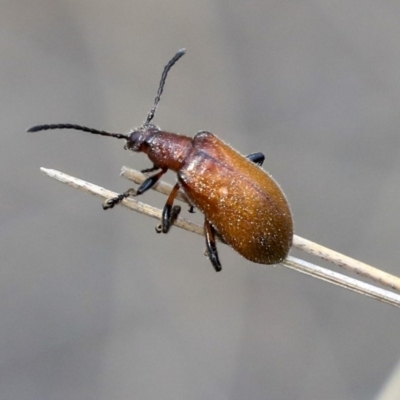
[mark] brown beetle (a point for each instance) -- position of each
(238, 199)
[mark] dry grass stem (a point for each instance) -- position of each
(300, 243)
(290, 262)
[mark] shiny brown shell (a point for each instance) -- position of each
(242, 201)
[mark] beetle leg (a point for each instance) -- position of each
(146, 170)
(256, 158)
(174, 215)
(150, 182)
(146, 185)
(211, 246)
(110, 203)
(170, 213)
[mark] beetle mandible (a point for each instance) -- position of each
(239, 200)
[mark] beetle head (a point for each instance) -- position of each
(138, 139)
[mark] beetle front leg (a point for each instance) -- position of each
(211, 246)
(146, 185)
(110, 203)
(147, 170)
(150, 182)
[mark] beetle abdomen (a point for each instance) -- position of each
(244, 204)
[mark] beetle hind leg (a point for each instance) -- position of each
(256, 158)
(211, 246)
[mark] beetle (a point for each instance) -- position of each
(240, 201)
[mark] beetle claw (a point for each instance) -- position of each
(214, 259)
(159, 228)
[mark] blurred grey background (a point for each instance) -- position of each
(94, 304)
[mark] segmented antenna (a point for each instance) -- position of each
(173, 60)
(150, 115)
(38, 128)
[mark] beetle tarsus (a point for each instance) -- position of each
(256, 158)
(110, 203)
(168, 218)
(175, 213)
(212, 251)
(170, 212)
(169, 215)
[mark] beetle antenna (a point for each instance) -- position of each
(38, 128)
(173, 60)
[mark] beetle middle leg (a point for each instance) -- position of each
(211, 245)
(144, 187)
(256, 158)
(170, 212)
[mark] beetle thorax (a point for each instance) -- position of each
(165, 149)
